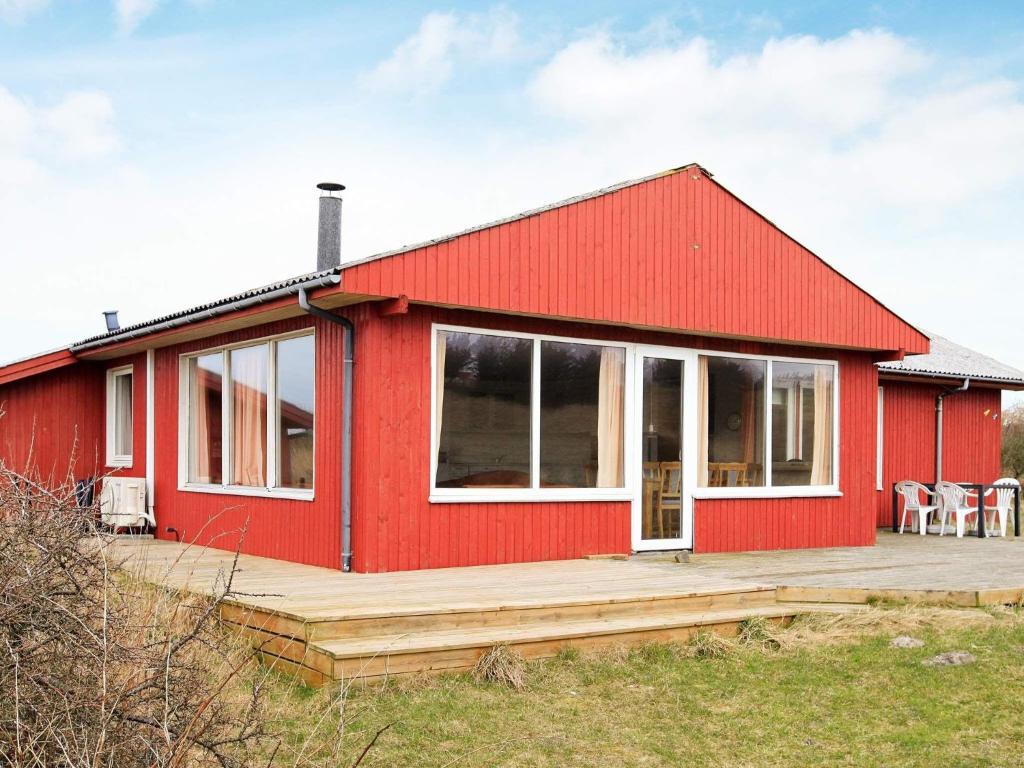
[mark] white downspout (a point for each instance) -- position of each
(150, 437)
(938, 425)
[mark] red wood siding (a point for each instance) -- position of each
(288, 529)
(736, 525)
(972, 438)
(52, 427)
(676, 252)
(397, 528)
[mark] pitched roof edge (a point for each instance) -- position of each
(522, 215)
(43, 362)
(615, 188)
(834, 269)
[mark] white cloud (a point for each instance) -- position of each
(36, 138)
(131, 13)
(15, 123)
(81, 126)
(426, 60)
(16, 11)
(902, 168)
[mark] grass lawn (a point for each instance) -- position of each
(835, 694)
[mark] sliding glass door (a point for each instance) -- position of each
(662, 511)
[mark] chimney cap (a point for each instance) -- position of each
(330, 186)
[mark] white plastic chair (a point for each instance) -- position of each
(911, 493)
(1004, 503)
(954, 502)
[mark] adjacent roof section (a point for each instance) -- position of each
(949, 360)
(212, 309)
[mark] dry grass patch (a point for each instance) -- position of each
(706, 644)
(758, 632)
(828, 628)
(502, 665)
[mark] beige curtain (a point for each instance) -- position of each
(201, 421)
(702, 421)
(821, 462)
(611, 387)
(249, 448)
(442, 349)
(123, 415)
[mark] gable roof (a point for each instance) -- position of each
(949, 360)
(666, 231)
(674, 251)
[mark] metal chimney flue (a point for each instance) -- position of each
(111, 318)
(328, 243)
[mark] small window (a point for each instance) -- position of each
(119, 417)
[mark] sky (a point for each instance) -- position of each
(156, 154)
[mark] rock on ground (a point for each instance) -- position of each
(950, 658)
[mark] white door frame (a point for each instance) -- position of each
(688, 446)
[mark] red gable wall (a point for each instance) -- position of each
(674, 252)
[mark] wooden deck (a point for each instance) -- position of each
(907, 567)
(326, 625)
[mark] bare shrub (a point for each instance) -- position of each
(502, 665)
(98, 667)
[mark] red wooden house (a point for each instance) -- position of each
(651, 366)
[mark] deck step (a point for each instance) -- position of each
(509, 614)
(452, 649)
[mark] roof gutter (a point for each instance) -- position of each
(938, 424)
(895, 373)
(206, 314)
(349, 343)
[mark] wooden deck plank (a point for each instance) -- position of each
(321, 624)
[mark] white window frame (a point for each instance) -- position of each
(535, 493)
(184, 417)
(113, 458)
(632, 447)
(769, 491)
(880, 441)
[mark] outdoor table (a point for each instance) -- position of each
(979, 489)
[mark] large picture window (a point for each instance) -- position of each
(737, 447)
(521, 412)
(249, 413)
(483, 406)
